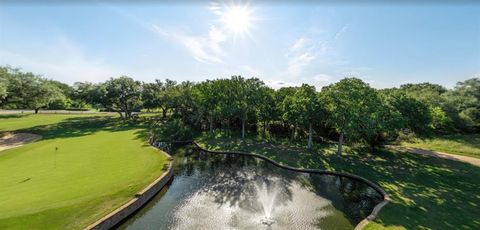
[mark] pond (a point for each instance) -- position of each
(227, 191)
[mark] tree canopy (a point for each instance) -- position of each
(346, 111)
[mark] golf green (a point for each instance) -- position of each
(73, 180)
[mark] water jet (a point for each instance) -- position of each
(267, 221)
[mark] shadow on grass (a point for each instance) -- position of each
(10, 116)
(427, 192)
(82, 126)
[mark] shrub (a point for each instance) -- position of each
(172, 130)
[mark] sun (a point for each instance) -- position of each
(237, 19)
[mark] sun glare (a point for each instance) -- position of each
(237, 19)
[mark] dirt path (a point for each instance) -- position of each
(12, 140)
(471, 160)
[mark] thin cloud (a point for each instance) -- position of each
(322, 78)
(299, 44)
(305, 50)
(203, 48)
(206, 49)
(69, 63)
(277, 84)
(341, 31)
(215, 7)
(301, 54)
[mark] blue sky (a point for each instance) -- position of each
(282, 44)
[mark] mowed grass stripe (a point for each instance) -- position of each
(88, 176)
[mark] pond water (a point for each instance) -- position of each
(225, 191)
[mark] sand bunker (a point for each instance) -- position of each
(12, 140)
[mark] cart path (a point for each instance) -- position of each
(467, 159)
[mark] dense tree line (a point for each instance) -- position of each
(347, 111)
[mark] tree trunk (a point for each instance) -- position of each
(225, 127)
(264, 127)
(340, 143)
(36, 110)
(164, 113)
(310, 135)
(211, 124)
(121, 115)
(243, 128)
(228, 127)
(293, 132)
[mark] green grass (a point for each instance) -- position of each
(99, 165)
(25, 121)
(427, 192)
(460, 144)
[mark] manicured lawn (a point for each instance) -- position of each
(427, 192)
(99, 165)
(23, 121)
(467, 144)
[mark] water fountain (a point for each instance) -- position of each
(213, 191)
(267, 199)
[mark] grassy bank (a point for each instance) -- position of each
(427, 192)
(84, 167)
(460, 144)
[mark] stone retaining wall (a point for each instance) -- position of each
(141, 198)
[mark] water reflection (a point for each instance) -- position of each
(223, 191)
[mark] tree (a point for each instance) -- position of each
(166, 97)
(267, 110)
(150, 93)
(415, 115)
(246, 97)
(123, 95)
(3, 85)
(28, 91)
(305, 108)
(379, 121)
(350, 103)
(440, 120)
(433, 96)
(184, 102)
(283, 105)
(207, 98)
(465, 100)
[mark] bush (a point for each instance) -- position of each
(405, 136)
(172, 130)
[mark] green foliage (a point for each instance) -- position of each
(23, 90)
(415, 115)
(357, 111)
(465, 101)
(172, 130)
(304, 108)
(349, 108)
(307, 105)
(207, 96)
(440, 120)
(267, 110)
(3, 85)
(123, 95)
(163, 95)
